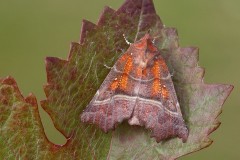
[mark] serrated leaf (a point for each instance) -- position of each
(72, 83)
(200, 104)
(21, 131)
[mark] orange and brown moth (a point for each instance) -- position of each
(139, 89)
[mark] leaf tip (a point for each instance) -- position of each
(31, 99)
(87, 27)
(107, 11)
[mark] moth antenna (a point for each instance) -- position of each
(107, 66)
(129, 43)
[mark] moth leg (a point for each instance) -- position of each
(129, 43)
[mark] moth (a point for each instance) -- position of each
(139, 89)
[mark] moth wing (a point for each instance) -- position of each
(111, 104)
(157, 107)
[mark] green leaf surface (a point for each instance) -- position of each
(72, 83)
(21, 131)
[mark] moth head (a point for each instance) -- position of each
(145, 50)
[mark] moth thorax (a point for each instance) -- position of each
(142, 64)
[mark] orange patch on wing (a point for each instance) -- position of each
(128, 65)
(158, 65)
(114, 85)
(156, 87)
(127, 69)
(165, 92)
(124, 82)
(124, 58)
(156, 70)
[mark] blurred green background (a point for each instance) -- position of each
(30, 30)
